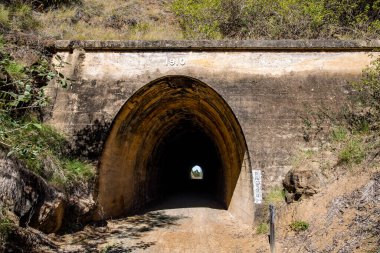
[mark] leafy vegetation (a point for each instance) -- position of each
(18, 17)
(352, 153)
(263, 228)
(41, 147)
(278, 19)
(298, 226)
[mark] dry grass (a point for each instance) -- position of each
(111, 20)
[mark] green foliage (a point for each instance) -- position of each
(263, 228)
(298, 226)
(39, 146)
(339, 134)
(30, 140)
(78, 170)
(278, 19)
(198, 19)
(21, 88)
(21, 17)
(4, 16)
(42, 149)
(353, 152)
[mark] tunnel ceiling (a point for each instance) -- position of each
(163, 121)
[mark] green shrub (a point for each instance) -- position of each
(278, 19)
(298, 226)
(339, 134)
(78, 170)
(22, 18)
(198, 19)
(263, 228)
(352, 152)
(4, 16)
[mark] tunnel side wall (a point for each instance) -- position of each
(267, 91)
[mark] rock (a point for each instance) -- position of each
(50, 216)
(300, 183)
(28, 196)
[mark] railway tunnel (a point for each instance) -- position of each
(165, 129)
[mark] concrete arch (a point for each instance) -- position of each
(170, 123)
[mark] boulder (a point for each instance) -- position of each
(301, 183)
(26, 194)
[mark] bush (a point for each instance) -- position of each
(4, 17)
(199, 19)
(298, 226)
(352, 152)
(339, 133)
(263, 228)
(278, 19)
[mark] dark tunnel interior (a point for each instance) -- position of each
(183, 147)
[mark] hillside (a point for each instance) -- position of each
(46, 189)
(189, 19)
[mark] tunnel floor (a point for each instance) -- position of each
(184, 199)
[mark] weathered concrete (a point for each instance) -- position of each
(267, 84)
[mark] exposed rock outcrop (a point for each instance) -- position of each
(27, 195)
(301, 182)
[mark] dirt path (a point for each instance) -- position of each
(179, 224)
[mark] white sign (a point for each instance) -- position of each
(258, 195)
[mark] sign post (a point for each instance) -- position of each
(272, 235)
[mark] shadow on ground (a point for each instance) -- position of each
(119, 235)
(185, 200)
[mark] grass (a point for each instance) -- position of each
(116, 19)
(353, 152)
(14, 70)
(339, 134)
(301, 157)
(299, 226)
(42, 149)
(4, 16)
(262, 229)
(275, 196)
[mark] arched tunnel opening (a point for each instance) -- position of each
(164, 130)
(178, 152)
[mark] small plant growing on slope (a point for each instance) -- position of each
(263, 228)
(299, 225)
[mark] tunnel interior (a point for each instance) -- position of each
(161, 132)
(185, 146)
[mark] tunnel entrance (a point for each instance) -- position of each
(183, 148)
(163, 131)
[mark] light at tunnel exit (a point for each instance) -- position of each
(196, 173)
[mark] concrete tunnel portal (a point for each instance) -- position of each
(166, 128)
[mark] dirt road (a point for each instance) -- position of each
(182, 223)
